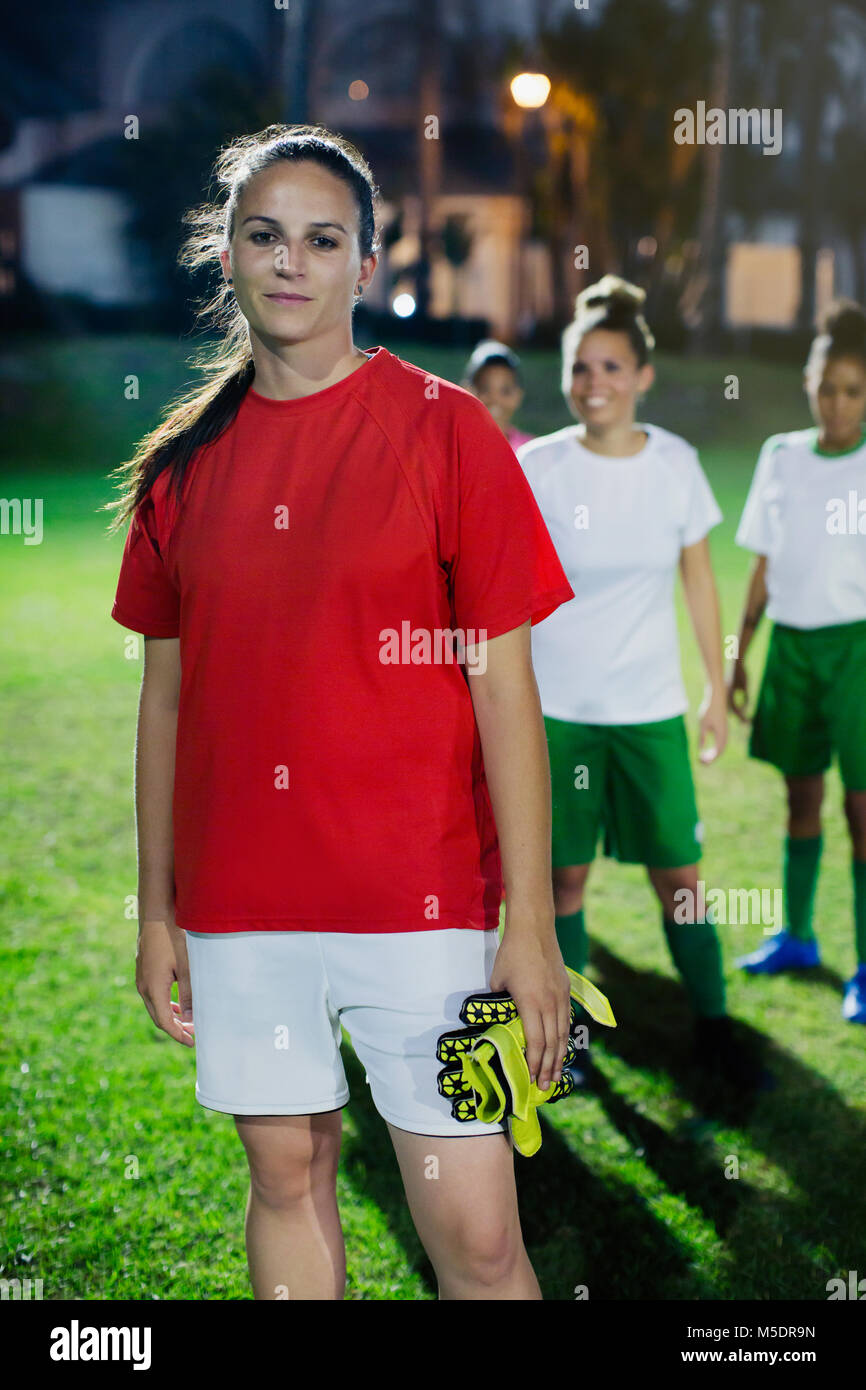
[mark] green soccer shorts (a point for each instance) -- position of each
(631, 782)
(812, 702)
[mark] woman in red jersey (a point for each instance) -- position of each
(312, 534)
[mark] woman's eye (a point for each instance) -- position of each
(577, 369)
(258, 234)
(326, 239)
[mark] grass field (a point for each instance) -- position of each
(119, 1186)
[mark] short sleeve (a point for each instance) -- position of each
(146, 600)
(703, 511)
(506, 569)
(754, 531)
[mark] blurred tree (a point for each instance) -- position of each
(845, 187)
(166, 170)
(428, 143)
(632, 68)
(456, 240)
(706, 306)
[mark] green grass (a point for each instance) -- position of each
(118, 1185)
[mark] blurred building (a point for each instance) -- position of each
(77, 81)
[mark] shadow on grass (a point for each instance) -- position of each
(577, 1229)
(371, 1164)
(804, 1127)
(581, 1229)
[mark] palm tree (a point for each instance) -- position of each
(429, 149)
(708, 303)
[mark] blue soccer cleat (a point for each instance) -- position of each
(781, 952)
(854, 1003)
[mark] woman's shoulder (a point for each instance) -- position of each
(417, 387)
(789, 441)
(667, 444)
(542, 448)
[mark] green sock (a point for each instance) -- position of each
(572, 938)
(859, 870)
(802, 859)
(695, 952)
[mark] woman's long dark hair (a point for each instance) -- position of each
(201, 415)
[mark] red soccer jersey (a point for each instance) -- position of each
(324, 779)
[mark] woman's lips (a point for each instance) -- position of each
(289, 298)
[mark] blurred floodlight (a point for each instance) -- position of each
(647, 246)
(358, 91)
(530, 89)
(404, 306)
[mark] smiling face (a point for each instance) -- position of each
(606, 379)
(294, 256)
(837, 399)
(497, 387)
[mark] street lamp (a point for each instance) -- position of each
(530, 89)
(529, 92)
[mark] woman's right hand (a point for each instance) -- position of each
(161, 958)
(738, 685)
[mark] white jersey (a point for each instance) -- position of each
(806, 511)
(611, 655)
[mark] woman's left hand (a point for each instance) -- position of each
(529, 966)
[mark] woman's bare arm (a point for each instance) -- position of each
(702, 601)
(154, 776)
(161, 956)
(528, 964)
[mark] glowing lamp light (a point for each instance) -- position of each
(358, 91)
(404, 306)
(647, 246)
(530, 89)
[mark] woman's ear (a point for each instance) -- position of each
(646, 378)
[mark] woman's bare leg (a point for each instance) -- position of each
(294, 1239)
(568, 887)
(463, 1199)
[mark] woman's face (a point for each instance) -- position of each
(837, 399)
(606, 379)
(294, 256)
(497, 387)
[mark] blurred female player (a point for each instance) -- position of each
(805, 516)
(626, 504)
(493, 375)
(316, 839)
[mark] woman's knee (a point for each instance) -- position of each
(568, 888)
(805, 796)
(677, 891)
(483, 1250)
(289, 1164)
